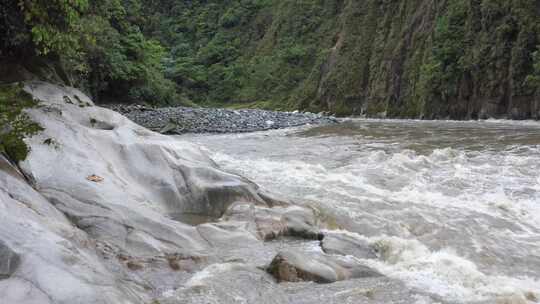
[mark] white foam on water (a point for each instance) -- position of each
(200, 278)
(444, 273)
(494, 185)
(424, 300)
(445, 178)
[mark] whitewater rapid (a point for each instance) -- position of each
(453, 208)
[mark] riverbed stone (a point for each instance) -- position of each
(228, 283)
(291, 266)
(344, 244)
(274, 222)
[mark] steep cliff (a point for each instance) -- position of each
(460, 59)
(411, 58)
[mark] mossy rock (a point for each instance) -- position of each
(15, 125)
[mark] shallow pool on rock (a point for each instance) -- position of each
(453, 208)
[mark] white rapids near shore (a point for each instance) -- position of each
(403, 212)
(453, 208)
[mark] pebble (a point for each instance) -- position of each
(179, 120)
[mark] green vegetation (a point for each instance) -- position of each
(409, 58)
(95, 45)
(241, 55)
(16, 125)
(533, 80)
(444, 68)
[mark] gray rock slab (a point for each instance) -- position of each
(344, 244)
(290, 266)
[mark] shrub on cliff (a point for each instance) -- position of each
(15, 125)
(96, 45)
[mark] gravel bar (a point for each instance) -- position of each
(179, 120)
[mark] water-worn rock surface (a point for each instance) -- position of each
(343, 244)
(106, 211)
(290, 266)
(179, 120)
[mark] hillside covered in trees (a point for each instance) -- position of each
(410, 58)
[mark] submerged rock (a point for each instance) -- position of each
(292, 266)
(228, 283)
(179, 120)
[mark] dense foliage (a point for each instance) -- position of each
(409, 58)
(14, 123)
(94, 44)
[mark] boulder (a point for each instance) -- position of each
(289, 266)
(274, 222)
(344, 244)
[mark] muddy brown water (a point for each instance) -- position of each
(454, 207)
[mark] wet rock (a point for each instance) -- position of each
(301, 222)
(372, 290)
(9, 261)
(290, 266)
(272, 223)
(343, 244)
(234, 242)
(228, 283)
(141, 184)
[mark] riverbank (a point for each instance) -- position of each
(121, 214)
(179, 120)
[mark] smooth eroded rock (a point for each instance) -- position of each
(343, 244)
(228, 283)
(289, 266)
(272, 223)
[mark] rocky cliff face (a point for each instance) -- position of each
(105, 211)
(462, 59)
(432, 59)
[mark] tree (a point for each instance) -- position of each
(54, 25)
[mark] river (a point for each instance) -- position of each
(452, 207)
